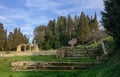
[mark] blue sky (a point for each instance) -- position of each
(27, 14)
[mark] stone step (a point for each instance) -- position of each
(83, 57)
(37, 65)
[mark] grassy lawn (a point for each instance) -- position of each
(111, 68)
(5, 67)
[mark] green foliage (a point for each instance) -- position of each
(83, 29)
(111, 18)
(69, 25)
(58, 32)
(16, 38)
(6, 69)
(39, 35)
(110, 68)
(3, 38)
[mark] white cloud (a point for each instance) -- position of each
(41, 4)
(2, 18)
(81, 5)
(92, 4)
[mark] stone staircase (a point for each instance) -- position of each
(65, 53)
(49, 66)
(77, 52)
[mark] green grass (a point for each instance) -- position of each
(108, 38)
(44, 58)
(111, 68)
(5, 67)
(41, 74)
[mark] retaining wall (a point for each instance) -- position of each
(14, 53)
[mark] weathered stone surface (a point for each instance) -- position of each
(78, 52)
(40, 65)
(106, 47)
(11, 53)
(31, 47)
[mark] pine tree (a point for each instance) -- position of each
(111, 18)
(95, 23)
(3, 37)
(69, 26)
(16, 38)
(62, 29)
(76, 22)
(10, 44)
(39, 35)
(83, 29)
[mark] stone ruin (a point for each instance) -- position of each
(27, 47)
(49, 66)
(106, 47)
(72, 42)
(77, 52)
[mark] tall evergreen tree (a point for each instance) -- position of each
(62, 29)
(16, 38)
(3, 37)
(95, 23)
(55, 39)
(69, 26)
(76, 22)
(11, 41)
(49, 35)
(111, 18)
(39, 35)
(83, 29)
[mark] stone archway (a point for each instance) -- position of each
(27, 47)
(22, 48)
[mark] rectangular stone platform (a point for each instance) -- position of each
(49, 66)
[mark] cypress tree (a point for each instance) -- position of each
(95, 23)
(83, 29)
(16, 38)
(111, 18)
(39, 35)
(62, 30)
(69, 25)
(3, 37)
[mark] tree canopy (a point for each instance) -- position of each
(111, 18)
(59, 32)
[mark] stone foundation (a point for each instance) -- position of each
(49, 66)
(14, 53)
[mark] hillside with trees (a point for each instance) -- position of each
(59, 32)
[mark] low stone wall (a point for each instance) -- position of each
(49, 66)
(78, 52)
(14, 53)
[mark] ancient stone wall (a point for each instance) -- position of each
(27, 47)
(78, 52)
(44, 66)
(11, 53)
